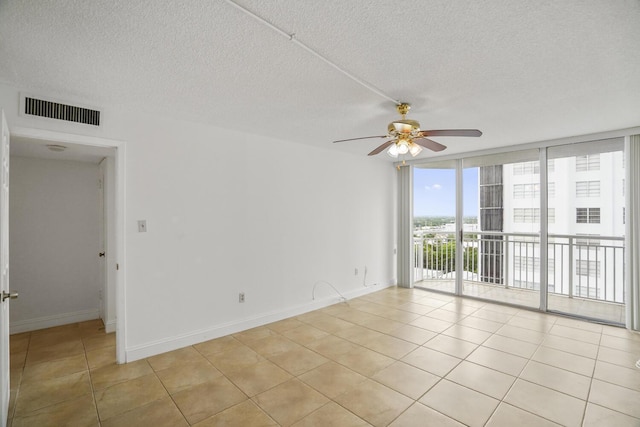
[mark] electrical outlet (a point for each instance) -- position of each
(356, 272)
(241, 297)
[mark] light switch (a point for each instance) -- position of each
(142, 226)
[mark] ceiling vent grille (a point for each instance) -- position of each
(55, 110)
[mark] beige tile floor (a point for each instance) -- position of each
(396, 357)
(605, 311)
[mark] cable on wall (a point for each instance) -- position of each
(293, 39)
(319, 282)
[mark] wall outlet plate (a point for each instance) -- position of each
(241, 297)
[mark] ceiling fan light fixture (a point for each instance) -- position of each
(403, 127)
(402, 133)
(402, 148)
(56, 148)
(414, 149)
(393, 151)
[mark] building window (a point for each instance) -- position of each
(526, 215)
(589, 162)
(528, 264)
(526, 191)
(586, 240)
(588, 215)
(551, 216)
(588, 268)
(526, 168)
(551, 190)
(588, 189)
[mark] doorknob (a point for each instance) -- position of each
(101, 254)
(12, 295)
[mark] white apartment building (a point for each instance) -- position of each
(585, 224)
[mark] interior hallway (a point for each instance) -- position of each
(396, 357)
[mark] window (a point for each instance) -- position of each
(526, 168)
(531, 264)
(551, 215)
(551, 165)
(551, 190)
(587, 268)
(524, 263)
(588, 215)
(526, 191)
(532, 215)
(586, 240)
(589, 162)
(588, 189)
(526, 215)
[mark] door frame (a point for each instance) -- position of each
(5, 363)
(117, 222)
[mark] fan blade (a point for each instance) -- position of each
(427, 143)
(382, 147)
(364, 137)
(452, 132)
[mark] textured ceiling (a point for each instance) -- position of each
(519, 70)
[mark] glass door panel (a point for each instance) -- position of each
(434, 220)
(504, 242)
(586, 236)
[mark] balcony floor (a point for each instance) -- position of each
(601, 310)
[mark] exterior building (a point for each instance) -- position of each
(585, 223)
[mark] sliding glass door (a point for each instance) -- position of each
(434, 226)
(541, 228)
(586, 236)
(506, 241)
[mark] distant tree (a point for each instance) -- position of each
(470, 259)
(441, 256)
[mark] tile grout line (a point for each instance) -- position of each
(390, 308)
(93, 391)
(24, 365)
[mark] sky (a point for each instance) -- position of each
(434, 192)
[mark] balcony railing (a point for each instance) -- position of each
(590, 267)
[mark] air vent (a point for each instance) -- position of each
(55, 110)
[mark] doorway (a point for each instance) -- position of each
(108, 158)
(56, 235)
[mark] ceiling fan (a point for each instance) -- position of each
(406, 136)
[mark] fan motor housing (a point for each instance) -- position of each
(403, 127)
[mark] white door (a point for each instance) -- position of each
(4, 273)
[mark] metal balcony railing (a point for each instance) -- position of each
(590, 267)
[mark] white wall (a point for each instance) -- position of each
(229, 212)
(53, 214)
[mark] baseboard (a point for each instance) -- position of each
(51, 321)
(173, 343)
(110, 326)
